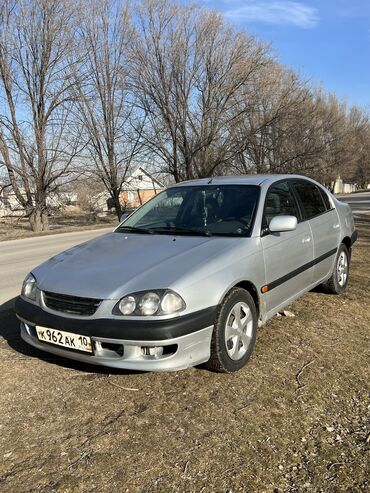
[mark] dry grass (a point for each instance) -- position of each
(294, 420)
(13, 228)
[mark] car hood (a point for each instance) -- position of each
(116, 264)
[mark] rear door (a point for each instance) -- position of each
(322, 216)
(288, 255)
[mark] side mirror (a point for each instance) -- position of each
(124, 216)
(278, 224)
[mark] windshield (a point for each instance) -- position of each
(224, 210)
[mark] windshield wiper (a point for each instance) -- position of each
(179, 230)
(134, 229)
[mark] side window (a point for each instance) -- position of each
(326, 200)
(279, 201)
(310, 196)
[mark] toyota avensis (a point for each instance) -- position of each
(188, 277)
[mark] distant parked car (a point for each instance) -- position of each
(189, 276)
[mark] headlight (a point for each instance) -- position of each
(127, 305)
(29, 287)
(172, 302)
(156, 302)
(149, 303)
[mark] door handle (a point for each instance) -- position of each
(306, 239)
(335, 226)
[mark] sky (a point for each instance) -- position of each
(326, 41)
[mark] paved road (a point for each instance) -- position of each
(18, 257)
(359, 202)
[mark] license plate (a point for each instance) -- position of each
(65, 339)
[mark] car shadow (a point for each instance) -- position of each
(319, 289)
(9, 330)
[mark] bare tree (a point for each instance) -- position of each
(275, 99)
(105, 109)
(293, 127)
(35, 133)
(188, 71)
(355, 162)
(86, 191)
(175, 86)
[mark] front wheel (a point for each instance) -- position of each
(338, 281)
(234, 334)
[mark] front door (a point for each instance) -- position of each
(288, 255)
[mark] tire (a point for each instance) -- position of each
(229, 350)
(338, 281)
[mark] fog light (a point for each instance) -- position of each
(152, 351)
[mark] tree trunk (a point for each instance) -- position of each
(117, 204)
(45, 220)
(35, 220)
(39, 220)
(139, 196)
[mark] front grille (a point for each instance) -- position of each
(71, 304)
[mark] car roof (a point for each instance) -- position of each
(239, 180)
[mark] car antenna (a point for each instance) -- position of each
(210, 181)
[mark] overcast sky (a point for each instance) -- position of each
(327, 41)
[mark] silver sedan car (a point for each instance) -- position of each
(188, 278)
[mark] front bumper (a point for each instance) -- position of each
(161, 345)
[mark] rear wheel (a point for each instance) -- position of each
(234, 334)
(338, 281)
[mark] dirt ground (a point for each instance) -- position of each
(13, 228)
(294, 420)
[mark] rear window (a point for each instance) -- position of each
(311, 199)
